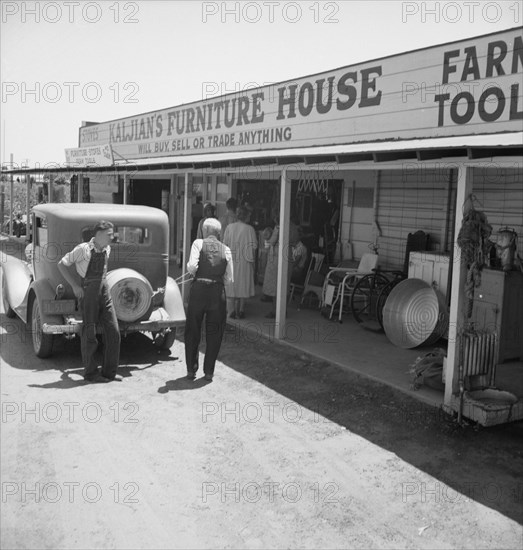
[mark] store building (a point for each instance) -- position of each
(361, 155)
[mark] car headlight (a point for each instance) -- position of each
(131, 293)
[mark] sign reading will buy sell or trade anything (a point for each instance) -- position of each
(95, 155)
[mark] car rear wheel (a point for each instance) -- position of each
(7, 308)
(42, 343)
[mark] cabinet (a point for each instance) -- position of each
(432, 268)
(498, 305)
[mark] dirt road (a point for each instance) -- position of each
(279, 451)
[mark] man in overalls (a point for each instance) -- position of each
(89, 284)
(211, 265)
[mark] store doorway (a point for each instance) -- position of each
(263, 197)
(149, 192)
(316, 207)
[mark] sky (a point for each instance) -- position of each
(67, 62)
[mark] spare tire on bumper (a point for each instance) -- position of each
(131, 293)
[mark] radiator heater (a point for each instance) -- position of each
(479, 352)
(478, 357)
(487, 406)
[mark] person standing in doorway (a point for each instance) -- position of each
(271, 267)
(300, 258)
(197, 215)
(230, 216)
(88, 281)
(209, 211)
(271, 270)
(211, 265)
(241, 238)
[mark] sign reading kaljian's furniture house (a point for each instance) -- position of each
(473, 86)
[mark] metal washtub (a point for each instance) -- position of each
(415, 314)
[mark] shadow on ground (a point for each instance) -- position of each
(483, 464)
(136, 354)
(183, 384)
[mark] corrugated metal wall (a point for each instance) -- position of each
(499, 193)
(412, 199)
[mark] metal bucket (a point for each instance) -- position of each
(415, 314)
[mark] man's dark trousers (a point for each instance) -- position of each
(206, 299)
(97, 308)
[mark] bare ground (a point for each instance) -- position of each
(280, 451)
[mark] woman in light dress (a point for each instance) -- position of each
(241, 238)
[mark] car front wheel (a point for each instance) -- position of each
(42, 343)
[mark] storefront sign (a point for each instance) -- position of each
(468, 87)
(93, 155)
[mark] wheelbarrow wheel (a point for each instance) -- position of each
(364, 297)
(382, 299)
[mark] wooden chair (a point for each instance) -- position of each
(314, 280)
(301, 285)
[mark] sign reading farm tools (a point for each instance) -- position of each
(468, 87)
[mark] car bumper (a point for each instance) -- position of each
(73, 325)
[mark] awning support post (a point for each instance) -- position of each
(125, 188)
(283, 257)
(172, 216)
(28, 206)
(457, 299)
(187, 222)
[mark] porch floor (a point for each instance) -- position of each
(351, 346)
(363, 351)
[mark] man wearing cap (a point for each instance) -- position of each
(210, 263)
(89, 284)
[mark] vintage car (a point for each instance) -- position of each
(146, 299)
